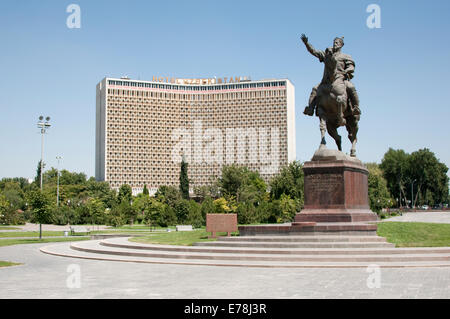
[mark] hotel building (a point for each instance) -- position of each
(145, 128)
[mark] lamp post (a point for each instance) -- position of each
(412, 194)
(43, 126)
(57, 183)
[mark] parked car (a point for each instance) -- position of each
(425, 207)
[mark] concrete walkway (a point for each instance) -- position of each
(442, 217)
(46, 276)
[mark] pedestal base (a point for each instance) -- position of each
(336, 189)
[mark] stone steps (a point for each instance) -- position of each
(288, 239)
(318, 245)
(120, 249)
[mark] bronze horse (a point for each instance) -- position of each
(335, 98)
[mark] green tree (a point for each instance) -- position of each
(125, 194)
(182, 208)
(207, 207)
(14, 194)
(102, 191)
(238, 181)
(96, 210)
(395, 170)
(159, 214)
(289, 182)
(37, 179)
(430, 176)
(41, 206)
(168, 195)
(195, 217)
(379, 196)
(4, 207)
(145, 190)
(288, 208)
(184, 180)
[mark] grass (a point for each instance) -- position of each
(7, 264)
(415, 234)
(31, 234)
(182, 238)
(15, 241)
(8, 228)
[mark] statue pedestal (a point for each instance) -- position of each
(336, 189)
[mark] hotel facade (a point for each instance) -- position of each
(145, 128)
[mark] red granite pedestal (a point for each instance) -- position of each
(336, 200)
(336, 191)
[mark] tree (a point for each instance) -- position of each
(379, 196)
(223, 206)
(125, 194)
(14, 194)
(239, 181)
(182, 210)
(168, 195)
(41, 206)
(102, 191)
(288, 208)
(145, 190)
(395, 168)
(207, 207)
(184, 180)
(96, 211)
(232, 178)
(4, 207)
(421, 169)
(37, 179)
(289, 182)
(430, 176)
(160, 214)
(195, 217)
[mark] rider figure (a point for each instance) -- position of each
(338, 72)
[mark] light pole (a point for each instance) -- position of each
(412, 194)
(57, 183)
(43, 126)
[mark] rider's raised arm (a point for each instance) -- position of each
(317, 53)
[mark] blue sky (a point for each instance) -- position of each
(402, 69)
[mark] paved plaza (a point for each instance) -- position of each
(47, 276)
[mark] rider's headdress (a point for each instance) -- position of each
(340, 39)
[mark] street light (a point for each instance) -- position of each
(43, 126)
(57, 183)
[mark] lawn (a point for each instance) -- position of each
(8, 228)
(7, 264)
(182, 238)
(15, 241)
(411, 234)
(30, 234)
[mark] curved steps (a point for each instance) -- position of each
(276, 251)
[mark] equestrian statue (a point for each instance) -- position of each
(335, 100)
